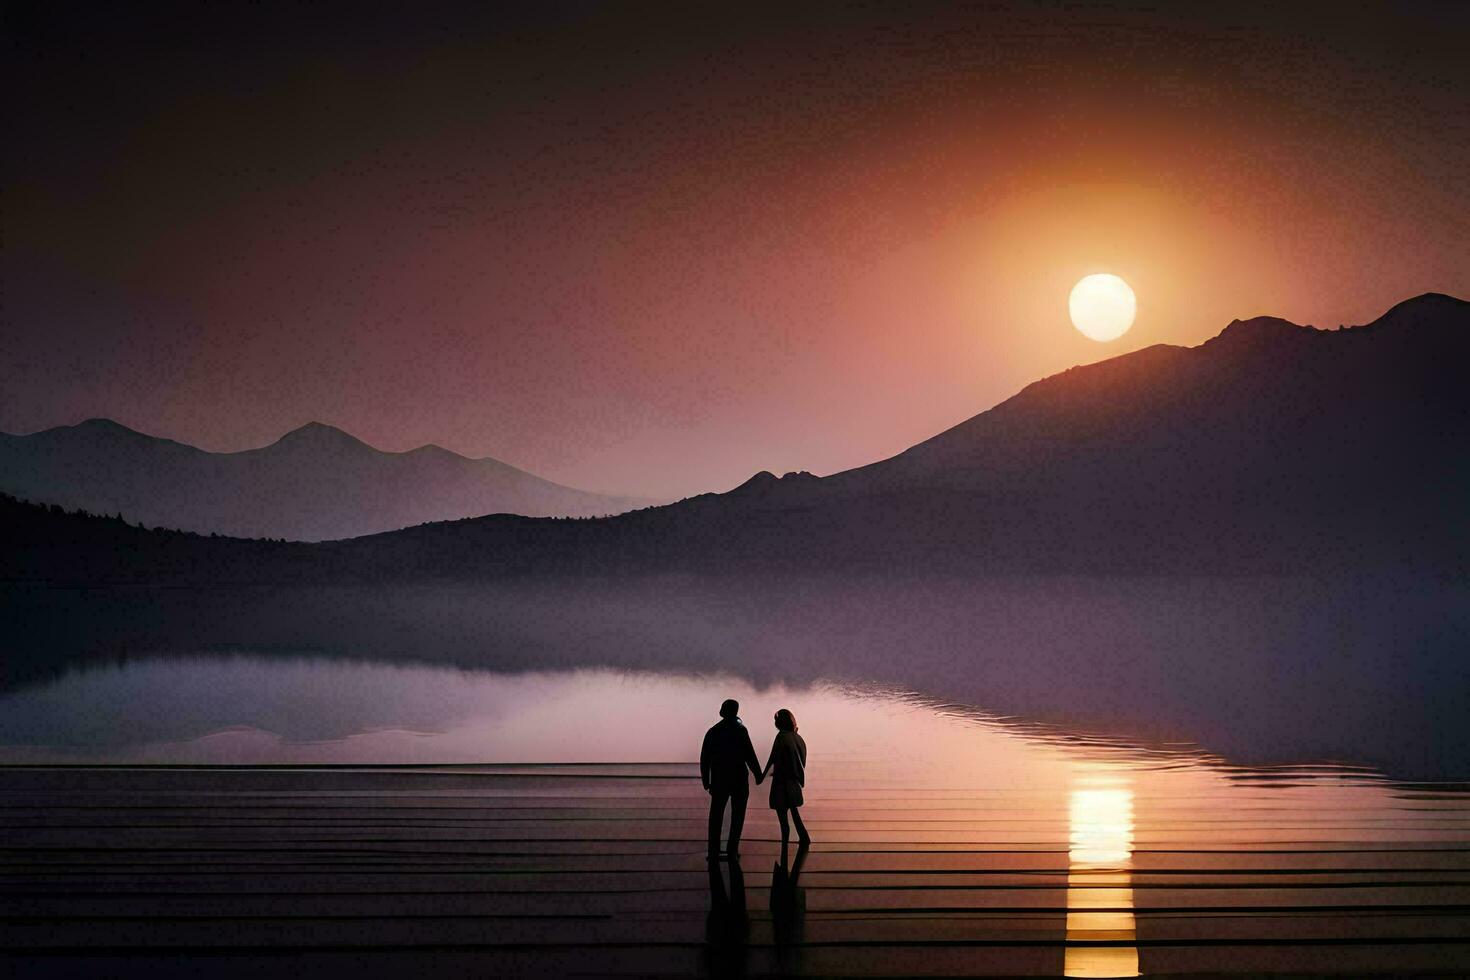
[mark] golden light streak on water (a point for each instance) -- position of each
(1100, 876)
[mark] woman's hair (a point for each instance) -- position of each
(785, 720)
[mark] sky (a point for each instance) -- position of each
(654, 249)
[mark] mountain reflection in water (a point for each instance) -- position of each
(244, 709)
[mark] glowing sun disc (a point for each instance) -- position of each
(1102, 306)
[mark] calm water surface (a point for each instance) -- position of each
(889, 772)
(247, 709)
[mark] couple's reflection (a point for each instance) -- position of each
(788, 910)
(727, 928)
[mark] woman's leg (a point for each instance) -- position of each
(801, 833)
(785, 828)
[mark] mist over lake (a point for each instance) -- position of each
(1278, 669)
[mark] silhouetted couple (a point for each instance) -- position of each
(723, 760)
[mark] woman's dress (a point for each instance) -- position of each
(788, 770)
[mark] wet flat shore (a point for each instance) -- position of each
(564, 869)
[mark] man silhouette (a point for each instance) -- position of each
(723, 760)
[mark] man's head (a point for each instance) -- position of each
(730, 708)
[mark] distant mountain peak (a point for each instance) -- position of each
(759, 483)
(434, 449)
(314, 429)
(103, 423)
(765, 481)
(107, 427)
(1423, 307)
(102, 431)
(319, 434)
(1258, 331)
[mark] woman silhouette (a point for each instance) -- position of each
(787, 769)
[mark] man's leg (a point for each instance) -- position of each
(737, 820)
(716, 817)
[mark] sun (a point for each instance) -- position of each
(1102, 306)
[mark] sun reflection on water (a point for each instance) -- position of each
(1100, 876)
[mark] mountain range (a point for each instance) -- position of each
(1272, 447)
(314, 483)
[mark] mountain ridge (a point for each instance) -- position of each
(1122, 376)
(1342, 451)
(315, 482)
(306, 432)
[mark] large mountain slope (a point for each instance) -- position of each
(314, 483)
(1271, 443)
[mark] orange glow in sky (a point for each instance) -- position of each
(653, 251)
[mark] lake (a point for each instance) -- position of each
(376, 814)
(224, 709)
(1369, 670)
